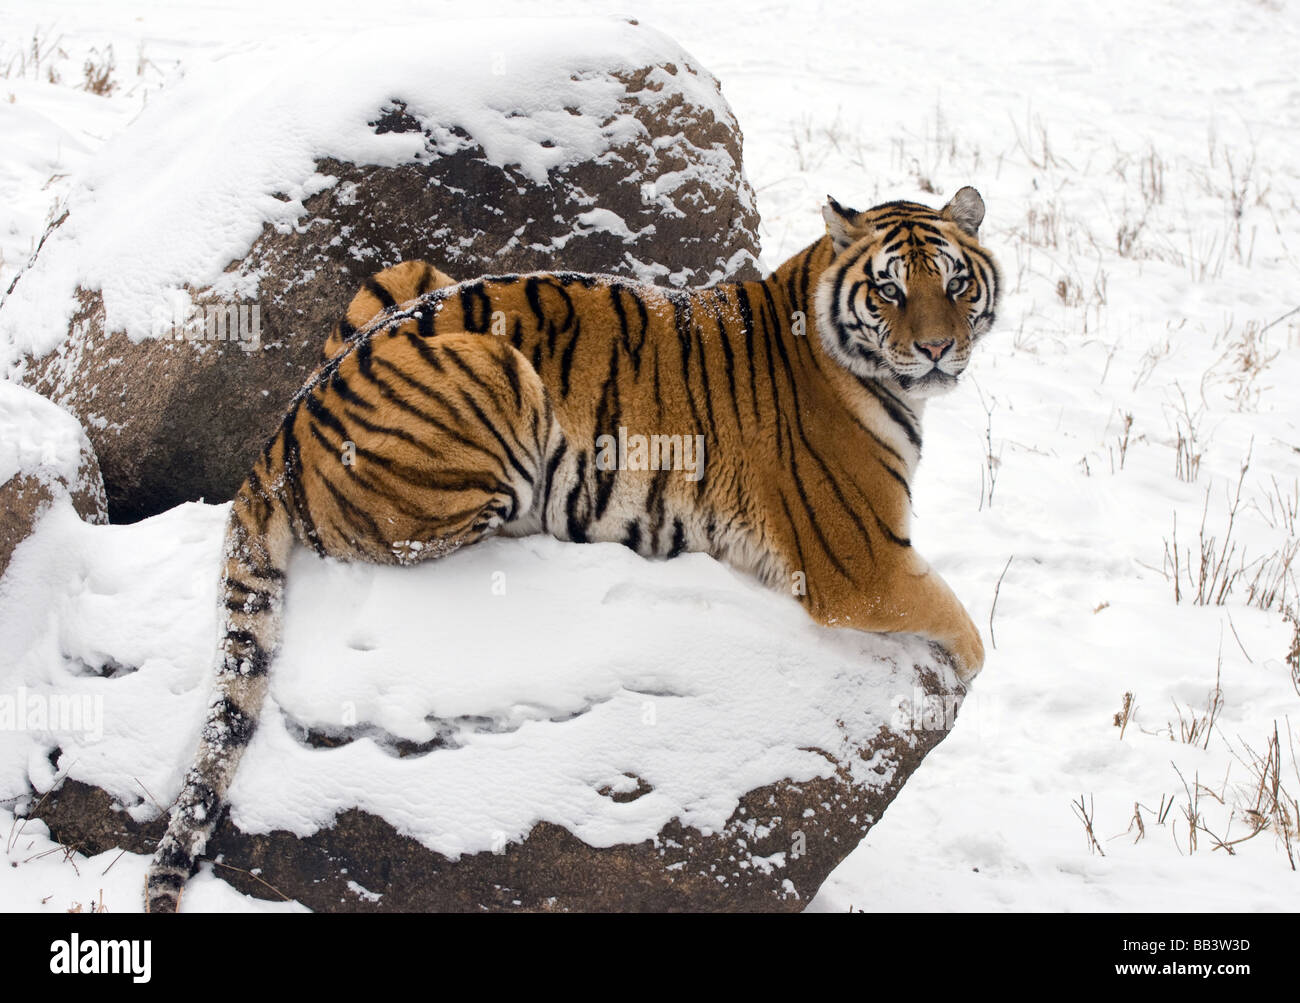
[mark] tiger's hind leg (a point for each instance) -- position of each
(388, 288)
(407, 450)
(413, 447)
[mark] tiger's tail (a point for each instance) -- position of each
(259, 538)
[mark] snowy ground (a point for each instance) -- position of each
(1139, 163)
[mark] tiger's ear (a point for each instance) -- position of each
(966, 210)
(841, 224)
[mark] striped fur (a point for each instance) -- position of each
(446, 412)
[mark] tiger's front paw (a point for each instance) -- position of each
(966, 652)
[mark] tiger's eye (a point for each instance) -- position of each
(889, 290)
(957, 286)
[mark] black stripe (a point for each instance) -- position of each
(171, 855)
(798, 549)
(770, 334)
(339, 385)
(548, 478)
(826, 471)
(684, 322)
(236, 727)
(253, 602)
(358, 520)
(888, 533)
(510, 366)
(815, 523)
(894, 408)
(491, 427)
(655, 507)
(728, 354)
(417, 477)
(426, 352)
(907, 488)
(566, 358)
(608, 413)
(379, 292)
(301, 509)
(476, 308)
(679, 539)
(624, 329)
(324, 416)
(696, 332)
(424, 322)
(422, 387)
(575, 524)
(247, 650)
(747, 322)
(392, 396)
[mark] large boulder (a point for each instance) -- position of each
(186, 294)
(44, 456)
(776, 848)
(524, 725)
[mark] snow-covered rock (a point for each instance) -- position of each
(44, 455)
(526, 724)
(263, 190)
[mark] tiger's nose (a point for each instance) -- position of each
(934, 349)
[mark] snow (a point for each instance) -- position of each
(246, 130)
(38, 437)
(548, 670)
(1140, 171)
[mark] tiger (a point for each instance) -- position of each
(787, 412)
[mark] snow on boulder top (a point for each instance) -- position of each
(38, 437)
(234, 145)
(528, 679)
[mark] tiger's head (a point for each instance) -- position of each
(909, 291)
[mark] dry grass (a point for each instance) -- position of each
(1126, 237)
(42, 58)
(1122, 440)
(1196, 726)
(1084, 812)
(1283, 506)
(1156, 353)
(1210, 576)
(994, 607)
(992, 461)
(1293, 655)
(38, 59)
(1273, 580)
(1034, 145)
(97, 72)
(1042, 226)
(1190, 447)
(1160, 814)
(1219, 566)
(1245, 358)
(1125, 714)
(94, 906)
(1265, 801)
